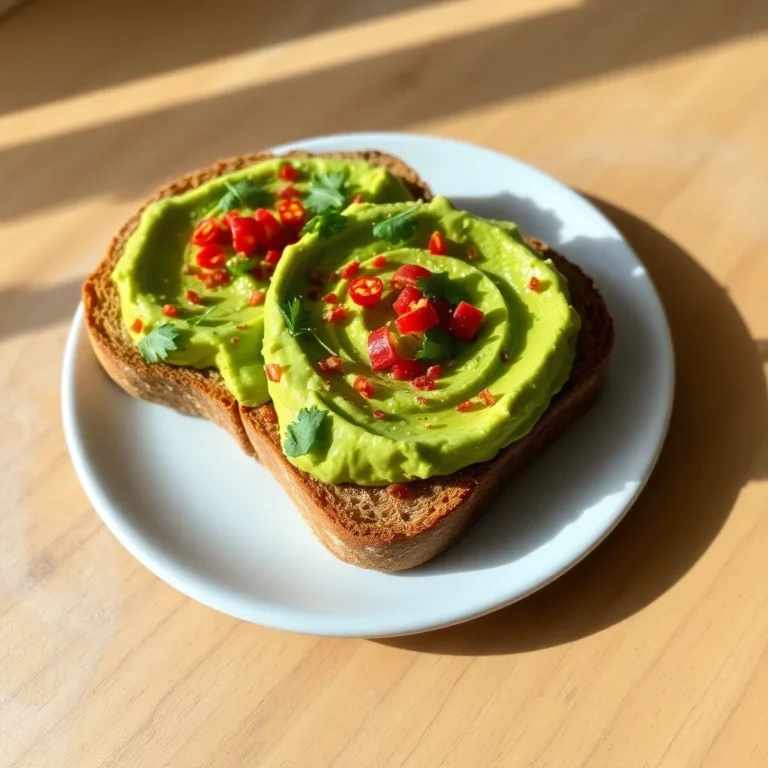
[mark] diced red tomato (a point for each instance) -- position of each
(381, 349)
(377, 262)
(272, 238)
(274, 371)
(350, 270)
(366, 291)
(288, 172)
(335, 315)
(330, 298)
(379, 415)
(256, 298)
(272, 257)
(170, 311)
(437, 244)
(193, 297)
(407, 298)
(363, 386)
(421, 318)
(408, 274)
(291, 213)
(399, 491)
(465, 321)
(331, 364)
(408, 370)
(424, 383)
(137, 325)
(487, 397)
(214, 279)
(286, 193)
(464, 406)
(434, 371)
(534, 284)
(358, 198)
(208, 231)
(211, 256)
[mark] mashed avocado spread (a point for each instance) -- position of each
(194, 274)
(439, 339)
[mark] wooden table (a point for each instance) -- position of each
(652, 652)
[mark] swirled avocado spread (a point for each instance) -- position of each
(194, 274)
(439, 339)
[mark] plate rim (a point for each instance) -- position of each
(288, 618)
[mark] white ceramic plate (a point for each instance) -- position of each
(179, 495)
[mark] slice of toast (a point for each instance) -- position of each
(368, 527)
(189, 390)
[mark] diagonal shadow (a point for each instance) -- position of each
(385, 91)
(30, 309)
(717, 442)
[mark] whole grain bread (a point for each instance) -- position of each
(364, 526)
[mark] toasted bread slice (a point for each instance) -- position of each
(368, 527)
(189, 390)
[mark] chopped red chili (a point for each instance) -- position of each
(286, 193)
(465, 321)
(331, 364)
(381, 349)
(487, 397)
(350, 270)
(193, 297)
(408, 370)
(424, 383)
(272, 239)
(366, 291)
(377, 262)
(407, 298)
(288, 172)
(272, 257)
(247, 234)
(291, 213)
(437, 244)
(208, 231)
(464, 406)
(274, 372)
(255, 298)
(363, 386)
(379, 415)
(170, 311)
(335, 315)
(421, 318)
(408, 274)
(534, 284)
(358, 198)
(435, 371)
(214, 279)
(330, 298)
(211, 256)
(137, 325)
(422, 400)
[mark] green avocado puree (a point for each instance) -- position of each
(151, 271)
(523, 352)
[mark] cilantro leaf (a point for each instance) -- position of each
(244, 194)
(438, 344)
(197, 319)
(440, 286)
(397, 228)
(304, 433)
(240, 267)
(326, 224)
(293, 314)
(326, 192)
(158, 343)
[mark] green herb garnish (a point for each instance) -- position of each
(397, 228)
(438, 344)
(440, 286)
(197, 319)
(156, 345)
(239, 267)
(295, 319)
(302, 435)
(244, 194)
(326, 192)
(326, 224)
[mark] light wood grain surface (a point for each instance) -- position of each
(652, 652)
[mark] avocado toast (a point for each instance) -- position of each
(377, 522)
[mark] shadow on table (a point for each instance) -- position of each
(29, 309)
(716, 444)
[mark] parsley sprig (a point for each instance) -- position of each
(326, 224)
(238, 267)
(293, 313)
(438, 344)
(326, 192)
(438, 286)
(197, 319)
(397, 228)
(304, 433)
(161, 340)
(244, 194)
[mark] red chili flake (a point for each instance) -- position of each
(214, 279)
(363, 386)
(358, 198)
(399, 491)
(379, 415)
(534, 284)
(330, 298)
(332, 364)
(472, 254)
(377, 262)
(193, 297)
(235, 339)
(487, 397)
(170, 311)
(288, 173)
(313, 294)
(335, 315)
(255, 298)
(274, 372)
(504, 356)
(350, 270)
(437, 245)
(137, 325)
(287, 193)
(422, 400)
(316, 277)
(242, 327)
(434, 371)
(424, 383)
(464, 406)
